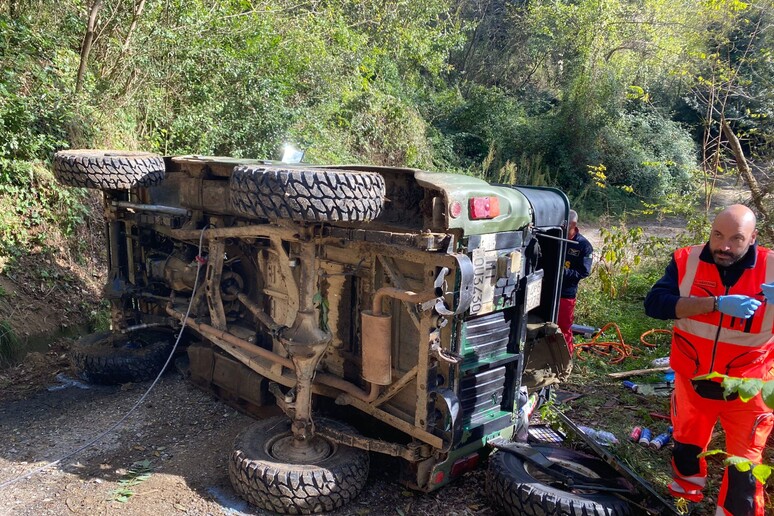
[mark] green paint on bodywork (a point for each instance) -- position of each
(470, 448)
(223, 160)
(489, 415)
(515, 210)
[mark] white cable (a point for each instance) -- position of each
(118, 423)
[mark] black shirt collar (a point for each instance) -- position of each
(747, 261)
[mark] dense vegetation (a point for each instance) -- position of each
(625, 105)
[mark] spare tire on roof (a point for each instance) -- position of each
(305, 194)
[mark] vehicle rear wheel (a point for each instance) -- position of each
(306, 195)
(108, 359)
(519, 487)
(108, 169)
(267, 470)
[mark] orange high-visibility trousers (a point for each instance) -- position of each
(746, 425)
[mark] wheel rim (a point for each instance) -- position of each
(549, 480)
(286, 448)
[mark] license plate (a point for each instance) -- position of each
(532, 296)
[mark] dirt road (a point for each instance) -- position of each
(184, 435)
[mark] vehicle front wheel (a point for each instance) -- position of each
(270, 471)
(519, 487)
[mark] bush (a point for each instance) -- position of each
(648, 152)
(644, 158)
(384, 130)
(484, 120)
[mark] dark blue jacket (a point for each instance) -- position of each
(577, 265)
(663, 296)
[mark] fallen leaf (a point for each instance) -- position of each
(71, 505)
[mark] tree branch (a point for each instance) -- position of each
(747, 176)
(87, 41)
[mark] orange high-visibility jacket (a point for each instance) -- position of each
(716, 341)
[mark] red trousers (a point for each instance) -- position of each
(565, 319)
(746, 425)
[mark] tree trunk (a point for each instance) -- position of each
(87, 40)
(745, 171)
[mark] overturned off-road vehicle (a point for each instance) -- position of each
(421, 306)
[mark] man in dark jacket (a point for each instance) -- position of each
(721, 297)
(577, 265)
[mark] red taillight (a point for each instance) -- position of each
(464, 464)
(484, 207)
(438, 478)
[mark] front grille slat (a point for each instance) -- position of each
(482, 392)
(484, 338)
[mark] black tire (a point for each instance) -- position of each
(107, 359)
(108, 170)
(306, 195)
(519, 488)
(300, 488)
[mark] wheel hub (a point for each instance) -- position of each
(290, 450)
(132, 344)
(570, 465)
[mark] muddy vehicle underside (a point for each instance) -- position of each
(424, 302)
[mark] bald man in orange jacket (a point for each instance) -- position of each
(721, 296)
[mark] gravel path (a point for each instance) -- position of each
(186, 436)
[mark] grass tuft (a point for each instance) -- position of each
(10, 345)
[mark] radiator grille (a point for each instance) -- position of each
(487, 370)
(485, 339)
(481, 395)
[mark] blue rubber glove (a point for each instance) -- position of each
(738, 305)
(768, 291)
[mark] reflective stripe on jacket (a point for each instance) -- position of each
(715, 341)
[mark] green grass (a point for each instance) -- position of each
(138, 473)
(595, 308)
(10, 345)
(99, 316)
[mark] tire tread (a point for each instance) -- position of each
(97, 361)
(306, 195)
(517, 493)
(291, 489)
(108, 170)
